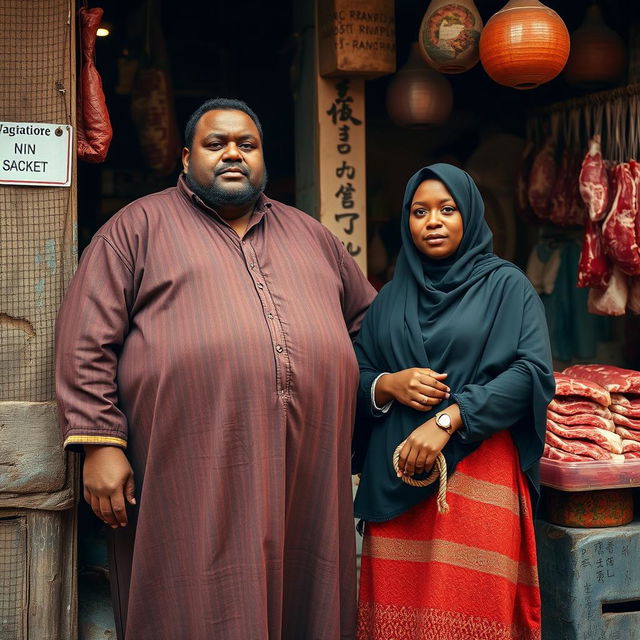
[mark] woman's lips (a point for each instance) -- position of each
(435, 241)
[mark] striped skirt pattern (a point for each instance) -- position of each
(467, 575)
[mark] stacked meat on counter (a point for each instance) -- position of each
(595, 415)
(610, 259)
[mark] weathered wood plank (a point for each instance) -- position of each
(31, 456)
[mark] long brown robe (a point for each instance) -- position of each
(226, 369)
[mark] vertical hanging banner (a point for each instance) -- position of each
(341, 162)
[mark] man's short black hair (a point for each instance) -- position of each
(228, 104)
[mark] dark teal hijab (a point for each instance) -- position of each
(473, 316)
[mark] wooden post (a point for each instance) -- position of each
(37, 234)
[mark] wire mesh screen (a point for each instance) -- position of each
(13, 563)
(36, 223)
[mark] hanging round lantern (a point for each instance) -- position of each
(449, 35)
(417, 95)
(598, 56)
(524, 45)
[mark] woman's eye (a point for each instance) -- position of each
(420, 212)
(448, 209)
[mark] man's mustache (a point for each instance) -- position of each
(234, 166)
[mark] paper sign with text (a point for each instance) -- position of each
(341, 163)
(35, 154)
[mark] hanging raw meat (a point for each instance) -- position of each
(94, 130)
(612, 300)
(542, 179)
(594, 269)
(558, 204)
(576, 209)
(594, 184)
(619, 227)
(633, 303)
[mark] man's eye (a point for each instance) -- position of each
(215, 146)
(247, 146)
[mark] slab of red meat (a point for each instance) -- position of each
(584, 448)
(626, 399)
(570, 386)
(569, 406)
(628, 434)
(619, 227)
(612, 300)
(632, 455)
(630, 411)
(633, 302)
(594, 269)
(625, 421)
(613, 379)
(629, 446)
(558, 201)
(608, 440)
(542, 178)
(554, 453)
(593, 181)
(582, 420)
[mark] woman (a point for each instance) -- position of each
(457, 345)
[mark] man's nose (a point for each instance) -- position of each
(232, 153)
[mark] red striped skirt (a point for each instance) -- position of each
(468, 575)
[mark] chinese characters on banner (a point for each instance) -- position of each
(341, 163)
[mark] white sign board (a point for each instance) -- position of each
(35, 154)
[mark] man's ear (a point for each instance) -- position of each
(185, 159)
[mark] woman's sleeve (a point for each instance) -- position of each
(526, 383)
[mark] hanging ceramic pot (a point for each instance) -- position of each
(449, 35)
(598, 56)
(524, 45)
(417, 95)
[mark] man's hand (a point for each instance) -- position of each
(108, 482)
(417, 388)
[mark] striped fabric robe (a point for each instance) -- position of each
(225, 368)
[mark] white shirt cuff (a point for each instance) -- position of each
(374, 406)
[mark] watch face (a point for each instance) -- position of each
(444, 420)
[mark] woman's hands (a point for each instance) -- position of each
(108, 482)
(417, 388)
(423, 445)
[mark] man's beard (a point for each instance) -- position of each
(216, 195)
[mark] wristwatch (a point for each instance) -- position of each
(443, 420)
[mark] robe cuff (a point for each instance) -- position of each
(76, 441)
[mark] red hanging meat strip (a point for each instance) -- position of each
(94, 130)
(619, 227)
(594, 184)
(594, 269)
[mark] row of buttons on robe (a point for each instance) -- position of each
(252, 265)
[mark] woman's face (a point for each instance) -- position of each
(434, 220)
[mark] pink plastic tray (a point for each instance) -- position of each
(587, 476)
